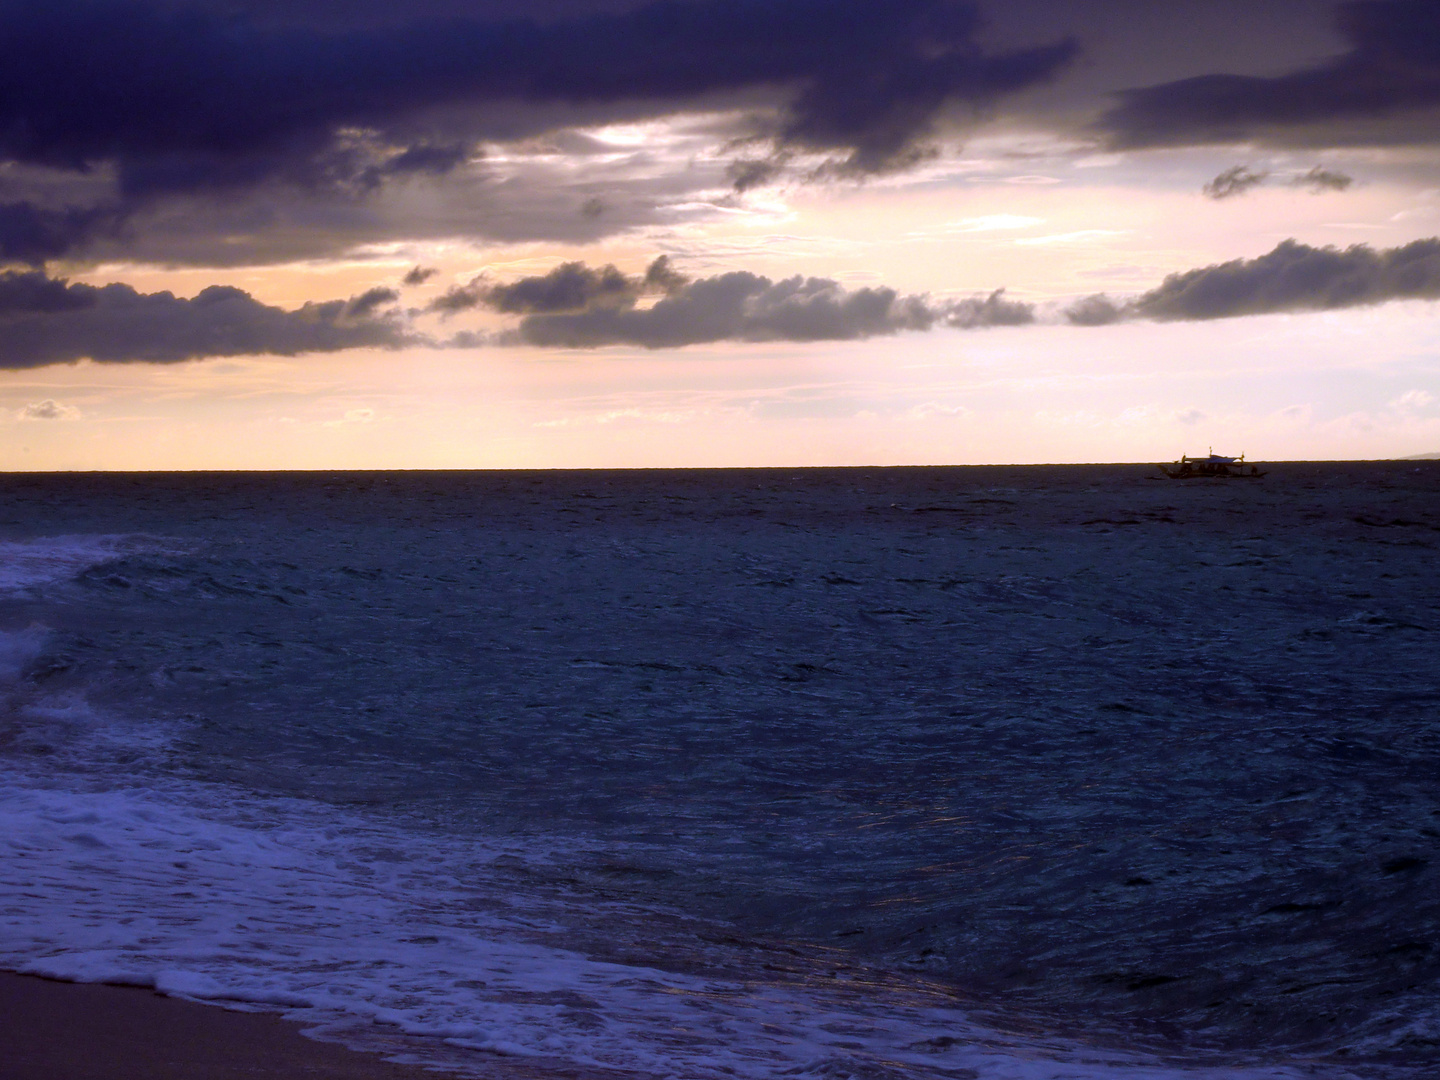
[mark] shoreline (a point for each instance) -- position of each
(95, 1031)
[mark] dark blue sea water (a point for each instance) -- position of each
(1040, 773)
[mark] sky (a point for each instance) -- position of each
(332, 234)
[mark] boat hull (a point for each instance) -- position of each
(1212, 473)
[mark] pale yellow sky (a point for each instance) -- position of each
(1355, 384)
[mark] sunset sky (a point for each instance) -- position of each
(600, 233)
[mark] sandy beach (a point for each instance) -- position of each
(70, 1031)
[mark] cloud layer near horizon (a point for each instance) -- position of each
(1292, 277)
(577, 306)
(45, 320)
(1297, 277)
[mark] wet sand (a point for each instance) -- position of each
(69, 1031)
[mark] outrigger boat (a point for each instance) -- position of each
(1212, 467)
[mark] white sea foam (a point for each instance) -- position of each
(31, 717)
(362, 928)
(27, 564)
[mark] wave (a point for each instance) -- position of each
(365, 930)
(28, 564)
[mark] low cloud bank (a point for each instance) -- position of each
(570, 287)
(1292, 277)
(738, 306)
(993, 310)
(1297, 277)
(1096, 310)
(45, 320)
(578, 306)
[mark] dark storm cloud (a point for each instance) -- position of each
(1391, 69)
(181, 98)
(32, 234)
(1297, 277)
(34, 293)
(424, 158)
(46, 320)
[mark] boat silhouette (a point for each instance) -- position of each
(1211, 467)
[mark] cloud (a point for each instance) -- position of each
(1239, 179)
(1297, 277)
(31, 234)
(46, 320)
(48, 409)
(183, 98)
(747, 173)
(1389, 75)
(1235, 180)
(575, 306)
(1319, 180)
(1413, 400)
(425, 158)
(991, 310)
(33, 293)
(419, 275)
(578, 306)
(1291, 277)
(1096, 310)
(364, 306)
(570, 287)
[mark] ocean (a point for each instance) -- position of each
(987, 772)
